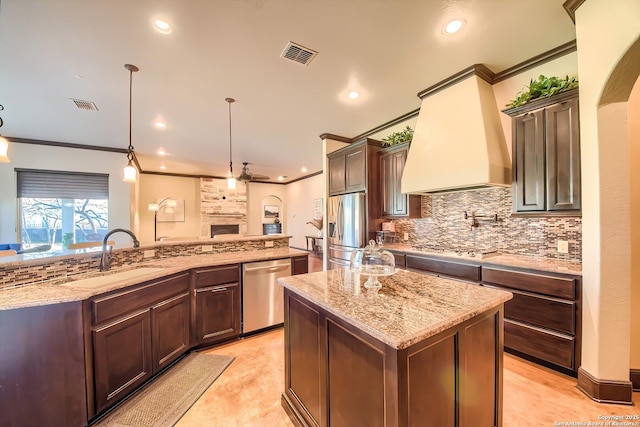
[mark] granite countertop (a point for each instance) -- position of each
(499, 260)
(63, 290)
(407, 309)
(54, 254)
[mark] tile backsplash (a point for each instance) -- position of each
(443, 226)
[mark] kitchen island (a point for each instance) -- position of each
(421, 351)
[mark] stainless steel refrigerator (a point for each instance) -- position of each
(347, 227)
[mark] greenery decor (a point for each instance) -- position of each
(405, 135)
(542, 88)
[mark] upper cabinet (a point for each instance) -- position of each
(348, 168)
(546, 155)
(394, 202)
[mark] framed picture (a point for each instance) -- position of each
(177, 215)
(317, 208)
(271, 211)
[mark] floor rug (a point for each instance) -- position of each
(167, 398)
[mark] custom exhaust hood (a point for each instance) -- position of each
(458, 142)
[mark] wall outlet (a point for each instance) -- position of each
(268, 243)
(206, 248)
(563, 246)
(406, 236)
(149, 253)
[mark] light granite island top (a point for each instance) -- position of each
(421, 350)
(407, 309)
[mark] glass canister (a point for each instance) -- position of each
(373, 261)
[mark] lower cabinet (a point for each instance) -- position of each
(467, 271)
(42, 366)
(217, 305)
(136, 333)
(543, 320)
(122, 357)
(170, 330)
(300, 265)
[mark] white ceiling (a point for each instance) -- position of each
(388, 50)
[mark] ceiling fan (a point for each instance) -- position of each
(247, 175)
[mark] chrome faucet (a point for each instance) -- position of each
(105, 260)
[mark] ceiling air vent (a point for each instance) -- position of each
(85, 105)
(298, 53)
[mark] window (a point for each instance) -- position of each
(58, 208)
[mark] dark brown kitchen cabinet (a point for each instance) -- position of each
(137, 332)
(461, 270)
(395, 203)
(42, 366)
(300, 264)
(217, 302)
(543, 320)
(546, 155)
(170, 321)
(348, 170)
(122, 357)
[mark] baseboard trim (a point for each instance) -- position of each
(605, 391)
(634, 376)
(296, 417)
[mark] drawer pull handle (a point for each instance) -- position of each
(218, 290)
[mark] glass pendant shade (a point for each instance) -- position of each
(231, 183)
(4, 147)
(154, 207)
(130, 173)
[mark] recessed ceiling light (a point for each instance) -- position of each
(161, 26)
(353, 95)
(281, 178)
(79, 76)
(454, 26)
(303, 169)
(163, 167)
(161, 152)
(160, 125)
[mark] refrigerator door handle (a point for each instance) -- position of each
(341, 221)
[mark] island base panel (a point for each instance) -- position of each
(337, 375)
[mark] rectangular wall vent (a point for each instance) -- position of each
(85, 105)
(298, 53)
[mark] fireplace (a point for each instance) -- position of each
(225, 229)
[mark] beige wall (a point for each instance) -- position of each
(152, 189)
(31, 156)
(604, 34)
(300, 197)
(259, 194)
(634, 171)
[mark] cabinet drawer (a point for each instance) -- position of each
(217, 275)
(561, 287)
(457, 270)
(114, 305)
(544, 345)
(545, 312)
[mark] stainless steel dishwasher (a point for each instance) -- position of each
(262, 296)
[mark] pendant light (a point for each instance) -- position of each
(231, 181)
(4, 144)
(130, 172)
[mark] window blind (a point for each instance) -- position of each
(47, 184)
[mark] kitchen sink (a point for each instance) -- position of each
(107, 278)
